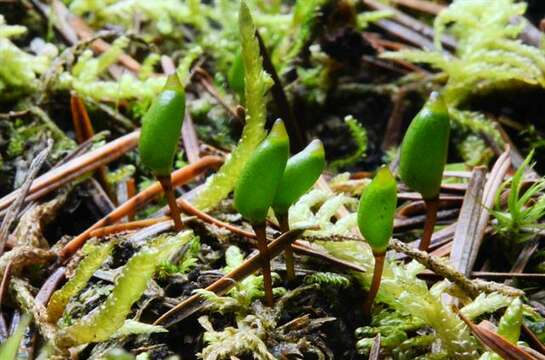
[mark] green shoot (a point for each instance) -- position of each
(257, 83)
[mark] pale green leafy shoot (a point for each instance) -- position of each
(359, 136)
(488, 54)
(509, 327)
(246, 338)
(257, 83)
(20, 70)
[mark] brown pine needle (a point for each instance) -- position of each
(179, 177)
(75, 168)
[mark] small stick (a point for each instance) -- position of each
(471, 287)
(288, 253)
(166, 183)
(431, 218)
(260, 232)
(375, 283)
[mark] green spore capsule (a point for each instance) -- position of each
(377, 209)
(424, 149)
(301, 172)
(235, 77)
(161, 127)
(261, 175)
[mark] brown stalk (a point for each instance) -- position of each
(166, 184)
(227, 282)
(75, 168)
(431, 218)
(261, 236)
(288, 253)
(179, 177)
(375, 283)
(131, 187)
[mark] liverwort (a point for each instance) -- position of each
(161, 127)
(301, 172)
(255, 190)
(376, 222)
(423, 156)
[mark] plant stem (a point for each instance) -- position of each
(375, 283)
(260, 233)
(166, 183)
(288, 253)
(431, 218)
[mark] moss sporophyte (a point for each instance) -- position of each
(256, 188)
(161, 126)
(301, 172)
(376, 222)
(423, 156)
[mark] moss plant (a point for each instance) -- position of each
(161, 128)
(254, 192)
(376, 222)
(301, 172)
(423, 156)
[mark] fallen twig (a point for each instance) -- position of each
(471, 287)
